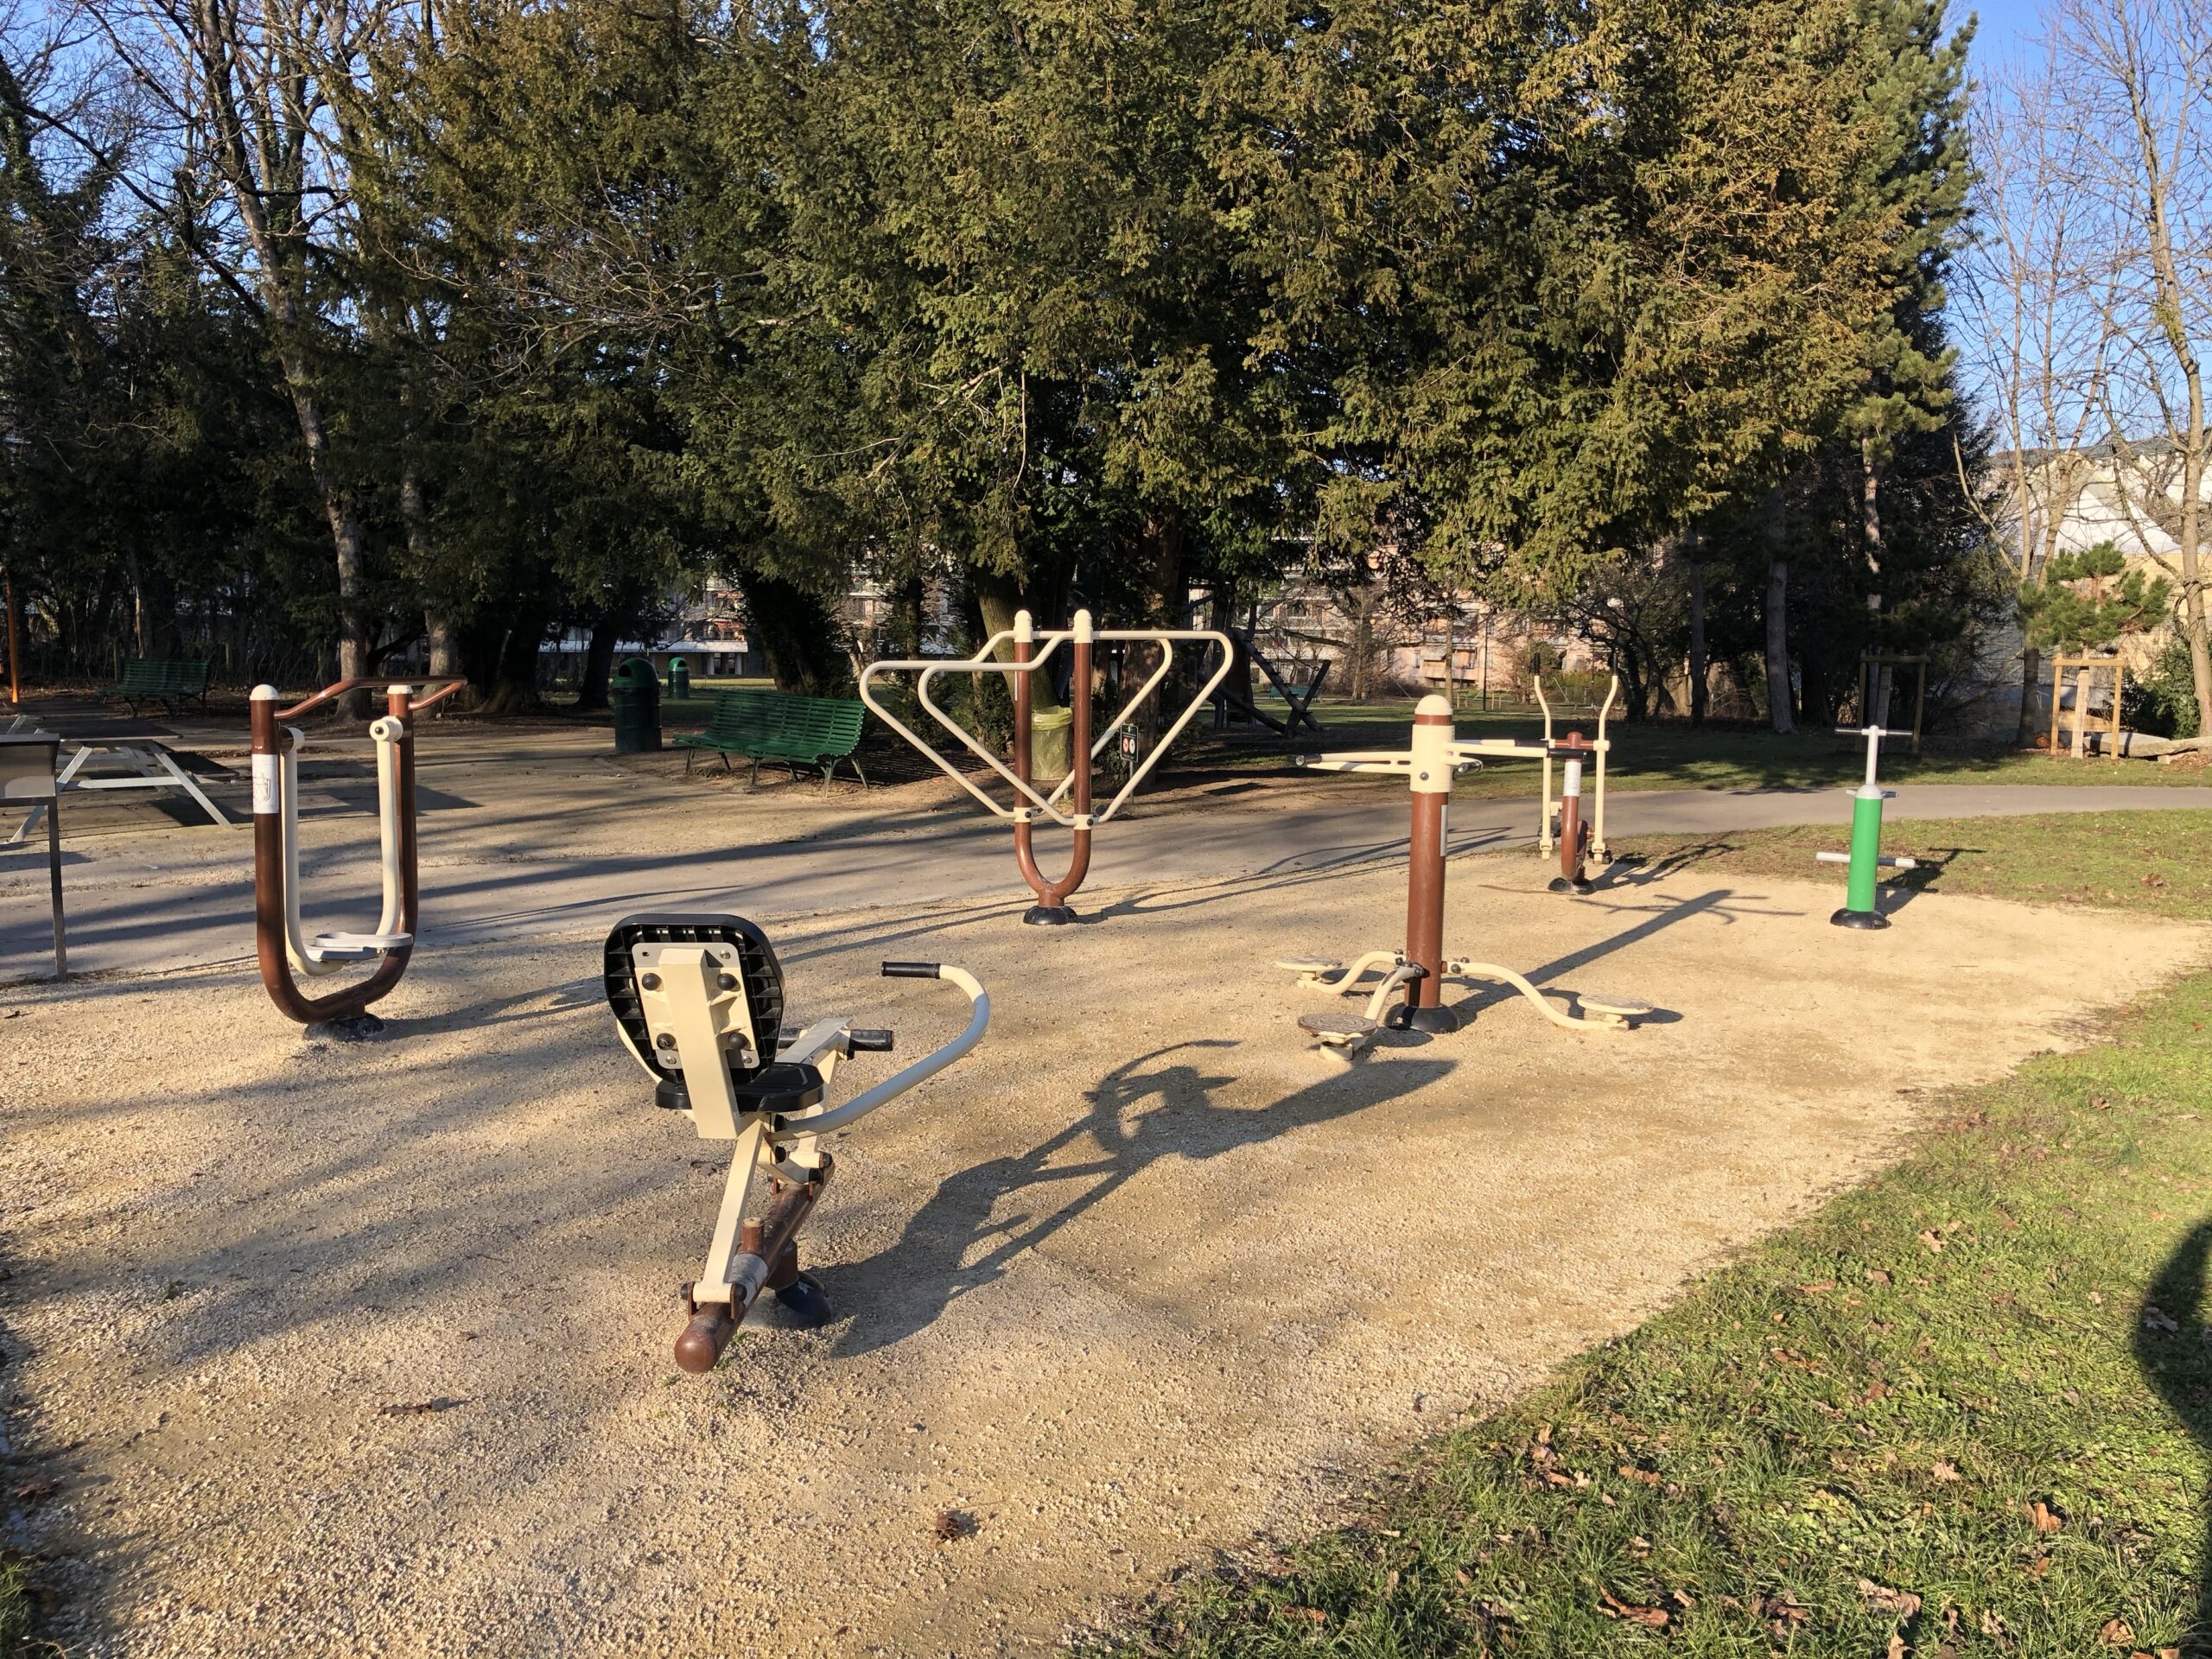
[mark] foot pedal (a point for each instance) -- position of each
(1623, 1009)
(1339, 1030)
(356, 947)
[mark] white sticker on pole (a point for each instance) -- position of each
(264, 784)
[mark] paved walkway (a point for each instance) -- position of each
(578, 844)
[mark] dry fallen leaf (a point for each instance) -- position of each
(1652, 1617)
(2116, 1633)
(2044, 1518)
(1641, 1476)
(952, 1525)
(1943, 1468)
(1897, 1647)
(2157, 1319)
(1878, 1275)
(1931, 1238)
(1313, 1613)
(1880, 1597)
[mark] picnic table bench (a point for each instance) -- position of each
(151, 679)
(779, 726)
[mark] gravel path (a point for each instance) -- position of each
(363, 1349)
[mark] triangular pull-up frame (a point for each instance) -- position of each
(1070, 803)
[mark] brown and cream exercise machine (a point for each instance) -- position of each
(280, 940)
(1030, 652)
(699, 1001)
(1429, 763)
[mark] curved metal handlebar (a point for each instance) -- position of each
(447, 684)
(979, 1019)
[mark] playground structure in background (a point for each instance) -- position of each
(1865, 857)
(1070, 803)
(699, 1001)
(1433, 757)
(2110, 728)
(280, 938)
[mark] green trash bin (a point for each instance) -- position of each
(679, 679)
(634, 691)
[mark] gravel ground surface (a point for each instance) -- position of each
(339, 1349)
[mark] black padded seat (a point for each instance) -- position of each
(786, 1086)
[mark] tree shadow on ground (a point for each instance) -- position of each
(1159, 1105)
(2176, 1362)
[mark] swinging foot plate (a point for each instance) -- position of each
(1049, 915)
(356, 947)
(1866, 921)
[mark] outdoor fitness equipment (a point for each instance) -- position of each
(1577, 839)
(1434, 756)
(280, 939)
(699, 1001)
(1866, 856)
(1068, 803)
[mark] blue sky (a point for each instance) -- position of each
(2006, 30)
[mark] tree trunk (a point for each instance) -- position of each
(599, 665)
(514, 685)
(1777, 646)
(1876, 713)
(2030, 726)
(444, 643)
(1701, 670)
(795, 634)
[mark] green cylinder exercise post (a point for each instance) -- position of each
(1859, 909)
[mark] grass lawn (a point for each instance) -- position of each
(1962, 1411)
(1672, 755)
(2150, 863)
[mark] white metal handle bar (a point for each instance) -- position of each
(927, 669)
(328, 953)
(979, 1018)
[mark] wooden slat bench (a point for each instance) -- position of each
(779, 726)
(150, 679)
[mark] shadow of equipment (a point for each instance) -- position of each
(2177, 1362)
(1156, 1106)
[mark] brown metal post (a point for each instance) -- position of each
(1574, 834)
(1432, 792)
(1051, 908)
(15, 640)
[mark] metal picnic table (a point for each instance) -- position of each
(147, 758)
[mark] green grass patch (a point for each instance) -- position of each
(15, 1635)
(1962, 1411)
(1673, 754)
(2153, 863)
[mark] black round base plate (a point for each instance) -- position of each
(1437, 1021)
(1048, 915)
(1561, 884)
(349, 1028)
(1866, 921)
(802, 1305)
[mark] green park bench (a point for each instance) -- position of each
(776, 726)
(150, 679)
